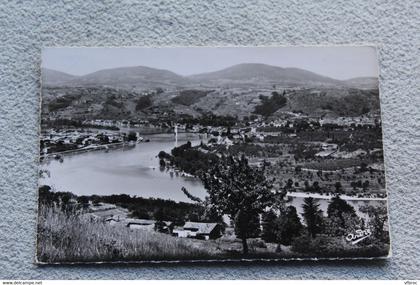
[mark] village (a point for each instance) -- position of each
(321, 155)
(339, 161)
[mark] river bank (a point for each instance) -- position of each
(133, 171)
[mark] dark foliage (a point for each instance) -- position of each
(239, 191)
(247, 225)
(209, 119)
(269, 227)
(62, 102)
(335, 247)
(189, 159)
(337, 207)
(189, 97)
(143, 102)
(313, 216)
(270, 105)
(290, 226)
(132, 136)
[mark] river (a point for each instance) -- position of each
(132, 171)
(135, 171)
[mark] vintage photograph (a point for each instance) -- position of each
(210, 153)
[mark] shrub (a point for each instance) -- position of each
(324, 246)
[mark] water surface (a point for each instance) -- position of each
(132, 171)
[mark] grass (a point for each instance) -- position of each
(64, 238)
(72, 238)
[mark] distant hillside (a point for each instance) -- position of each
(111, 103)
(363, 82)
(189, 97)
(265, 74)
(335, 102)
(241, 90)
(269, 105)
(241, 75)
(89, 102)
(138, 76)
(52, 77)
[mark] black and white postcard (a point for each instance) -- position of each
(211, 153)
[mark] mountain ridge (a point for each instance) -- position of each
(55, 77)
(264, 72)
(244, 73)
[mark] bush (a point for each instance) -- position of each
(270, 105)
(324, 246)
(189, 97)
(256, 243)
(143, 103)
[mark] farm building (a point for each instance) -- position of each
(325, 153)
(148, 225)
(112, 220)
(199, 230)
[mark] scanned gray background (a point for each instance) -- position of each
(27, 26)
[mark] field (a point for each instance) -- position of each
(68, 238)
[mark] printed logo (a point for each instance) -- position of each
(358, 236)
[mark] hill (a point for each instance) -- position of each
(363, 82)
(241, 90)
(263, 74)
(141, 77)
(240, 75)
(51, 77)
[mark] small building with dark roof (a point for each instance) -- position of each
(199, 230)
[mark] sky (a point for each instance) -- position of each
(339, 62)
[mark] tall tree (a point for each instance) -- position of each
(338, 207)
(291, 226)
(269, 229)
(240, 191)
(378, 218)
(338, 187)
(313, 216)
(247, 225)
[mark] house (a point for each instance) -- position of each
(112, 220)
(329, 146)
(224, 140)
(141, 224)
(199, 230)
(325, 153)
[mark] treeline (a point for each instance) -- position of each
(144, 102)
(270, 105)
(249, 150)
(63, 102)
(59, 123)
(155, 208)
(189, 97)
(208, 119)
(141, 208)
(188, 159)
(323, 236)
